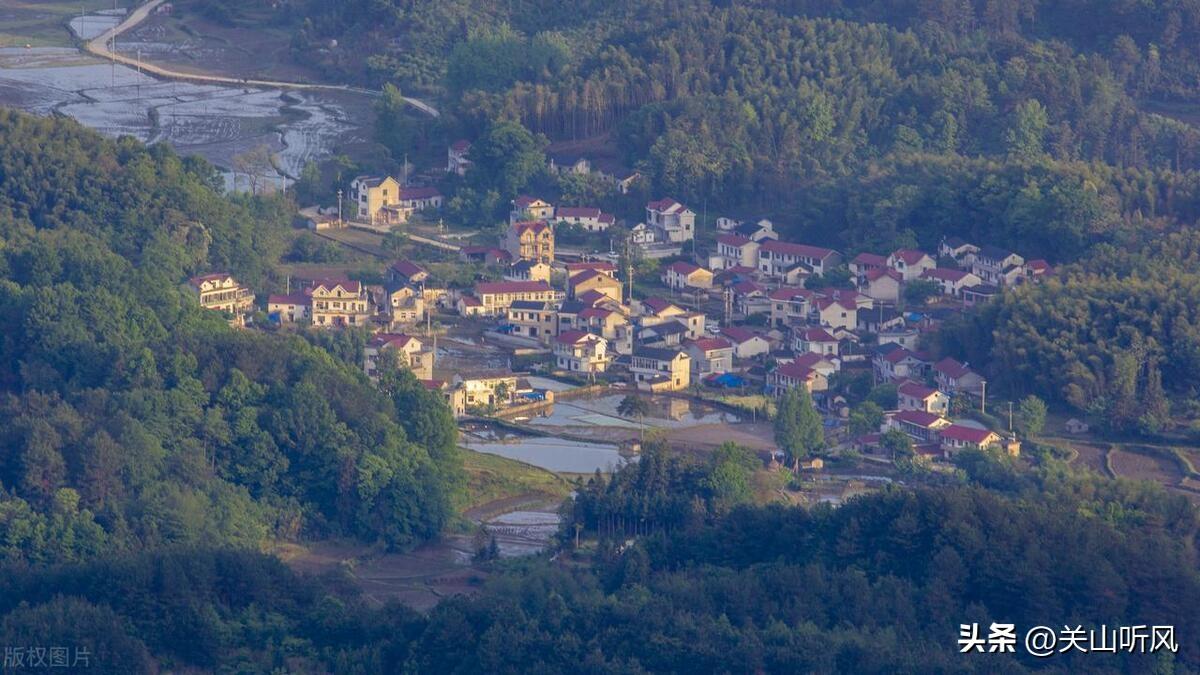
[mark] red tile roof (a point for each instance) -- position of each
(738, 334)
(397, 340)
(571, 337)
(525, 200)
(591, 297)
(796, 371)
(734, 240)
(598, 265)
(216, 276)
(958, 432)
(796, 250)
(293, 299)
(910, 256)
(460, 145)
(684, 267)
(407, 193)
(666, 205)
(330, 284)
(659, 305)
(810, 360)
(407, 267)
(535, 226)
(916, 390)
(709, 344)
(788, 293)
(951, 368)
(817, 335)
(596, 313)
(870, 260)
(746, 288)
(881, 272)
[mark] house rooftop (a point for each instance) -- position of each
(656, 353)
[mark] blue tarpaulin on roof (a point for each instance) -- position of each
(727, 380)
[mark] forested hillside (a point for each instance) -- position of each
(879, 585)
(134, 420)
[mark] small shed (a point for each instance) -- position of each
(1076, 426)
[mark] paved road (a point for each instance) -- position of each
(100, 47)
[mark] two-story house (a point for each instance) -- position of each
(656, 369)
(915, 396)
(997, 266)
(734, 250)
(339, 304)
(220, 292)
(776, 258)
(534, 319)
(910, 263)
(587, 217)
(746, 343)
(291, 308)
(815, 340)
(921, 426)
(954, 377)
(864, 263)
(882, 284)
(530, 240)
(407, 272)
(956, 438)
(892, 362)
(951, 281)
(710, 356)
(682, 275)
(835, 313)
(528, 270)
(675, 222)
(792, 375)
(789, 305)
(958, 250)
(594, 280)
(579, 352)
(410, 353)
(497, 296)
(526, 208)
(369, 195)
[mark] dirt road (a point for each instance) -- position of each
(100, 47)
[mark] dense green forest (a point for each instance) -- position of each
(132, 419)
(879, 585)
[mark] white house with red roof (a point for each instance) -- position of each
(682, 275)
(407, 272)
(916, 396)
(579, 352)
(527, 208)
(602, 266)
(789, 305)
(676, 222)
(957, 437)
(892, 362)
(291, 308)
(918, 424)
(910, 262)
(951, 281)
(815, 340)
(220, 292)
(410, 353)
(825, 366)
(710, 355)
(746, 343)
(776, 258)
(734, 250)
(955, 377)
(882, 284)
(419, 198)
(496, 296)
(836, 313)
(338, 303)
(866, 262)
(792, 375)
(589, 218)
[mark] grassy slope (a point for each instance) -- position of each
(490, 478)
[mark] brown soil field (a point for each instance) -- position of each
(1130, 464)
(1089, 457)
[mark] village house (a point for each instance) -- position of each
(880, 320)
(454, 397)
(407, 272)
(656, 369)
(710, 356)
(602, 266)
(410, 353)
(825, 366)
(580, 352)
(487, 389)
(469, 306)
(666, 334)
(956, 437)
(570, 164)
(456, 157)
(789, 305)
(528, 270)
(586, 217)
(659, 309)
(1035, 270)
(836, 313)
(882, 284)
(792, 375)
(420, 198)
(220, 292)
(746, 343)
(775, 258)
(815, 340)
(759, 231)
(402, 303)
(734, 250)
(921, 426)
(864, 263)
(958, 250)
(594, 280)
(526, 208)
(534, 319)
(997, 266)
(892, 362)
(673, 220)
(979, 294)
(496, 296)
(289, 308)
(530, 240)
(951, 281)
(915, 396)
(370, 195)
(339, 303)
(487, 255)
(682, 275)
(608, 324)
(910, 263)
(751, 298)
(954, 377)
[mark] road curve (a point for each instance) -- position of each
(99, 47)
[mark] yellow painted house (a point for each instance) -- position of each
(222, 293)
(530, 240)
(369, 195)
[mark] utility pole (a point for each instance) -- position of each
(1010, 417)
(339, 208)
(728, 306)
(983, 397)
(629, 268)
